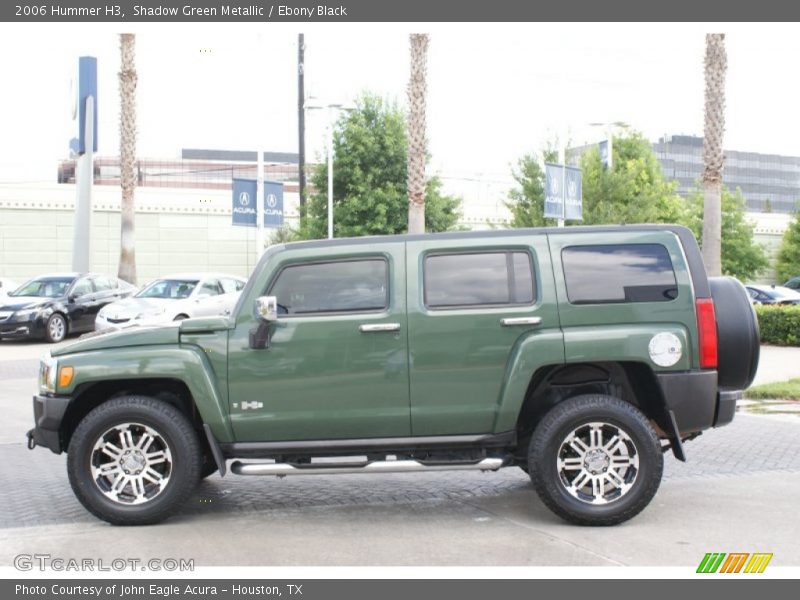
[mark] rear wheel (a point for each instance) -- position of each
(595, 460)
(133, 460)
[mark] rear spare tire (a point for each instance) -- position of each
(737, 333)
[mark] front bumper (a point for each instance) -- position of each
(696, 400)
(19, 329)
(48, 412)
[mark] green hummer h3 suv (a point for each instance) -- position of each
(578, 354)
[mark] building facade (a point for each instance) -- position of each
(769, 182)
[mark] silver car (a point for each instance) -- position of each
(173, 298)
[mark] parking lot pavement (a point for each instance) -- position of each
(737, 492)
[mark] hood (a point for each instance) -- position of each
(131, 307)
(122, 338)
(21, 302)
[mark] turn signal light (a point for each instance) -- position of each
(65, 375)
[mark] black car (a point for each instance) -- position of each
(51, 306)
(772, 294)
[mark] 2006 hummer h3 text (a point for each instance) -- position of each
(579, 355)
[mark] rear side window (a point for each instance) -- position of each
(332, 287)
(619, 273)
(478, 279)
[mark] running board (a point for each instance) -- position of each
(381, 466)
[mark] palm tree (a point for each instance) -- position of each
(127, 155)
(417, 147)
(716, 64)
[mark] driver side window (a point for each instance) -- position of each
(82, 287)
(332, 287)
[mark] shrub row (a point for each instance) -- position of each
(779, 325)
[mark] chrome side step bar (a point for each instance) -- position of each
(381, 466)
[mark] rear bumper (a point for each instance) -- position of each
(696, 400)
(48, 412)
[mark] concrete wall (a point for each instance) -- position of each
(188, 230)
(176, 230)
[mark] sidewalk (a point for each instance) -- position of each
(778, 363)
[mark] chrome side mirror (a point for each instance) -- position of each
(267, 308)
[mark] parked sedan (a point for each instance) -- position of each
(772, 294)
(52, 306)
(174, 298)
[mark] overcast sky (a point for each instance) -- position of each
(495, 91)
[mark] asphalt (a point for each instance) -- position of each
(737, 493)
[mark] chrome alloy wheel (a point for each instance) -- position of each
(131, 463)
(598, 463)
(56, 328)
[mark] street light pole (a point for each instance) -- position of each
(332, 108)
(330, 171)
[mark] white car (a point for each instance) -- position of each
(6, 286)
(174, 298)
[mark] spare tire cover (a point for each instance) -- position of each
(737, 332)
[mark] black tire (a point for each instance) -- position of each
(738, 337)
(181, 471)
(180, 317)
(55, 329)
(574, 415)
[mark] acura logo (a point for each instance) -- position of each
(244, 199)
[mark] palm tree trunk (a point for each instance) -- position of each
(417, 146)
(127, 155)
(716, 64)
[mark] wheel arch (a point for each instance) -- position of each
(632, 382)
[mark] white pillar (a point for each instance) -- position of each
(84, 179)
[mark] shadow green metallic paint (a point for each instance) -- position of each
(445, 372)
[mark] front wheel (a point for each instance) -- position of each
(133, 460)
(595, 460)
(55, 329)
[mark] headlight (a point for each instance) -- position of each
(27, 313)
(48, 369)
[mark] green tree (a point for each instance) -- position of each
(369, 178)
(788, 264)
(526, 201)
(633, 191)
(742, 257)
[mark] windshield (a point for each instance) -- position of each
(168, 288)
(46, 287)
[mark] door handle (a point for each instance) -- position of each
(377, 327)
(521, 321)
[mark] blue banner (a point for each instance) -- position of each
(561, 186)
(243, 211)
(86, 86)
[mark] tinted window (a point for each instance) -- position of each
(168, 288)
(347, 286)
(104, 284)
(619, 273)
(81, 288)
(231, 285)
(490, 278)
(210, 288)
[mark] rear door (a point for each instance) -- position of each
(470, 302)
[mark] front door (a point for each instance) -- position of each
(337, 362)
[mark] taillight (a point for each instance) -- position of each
(707, 332)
